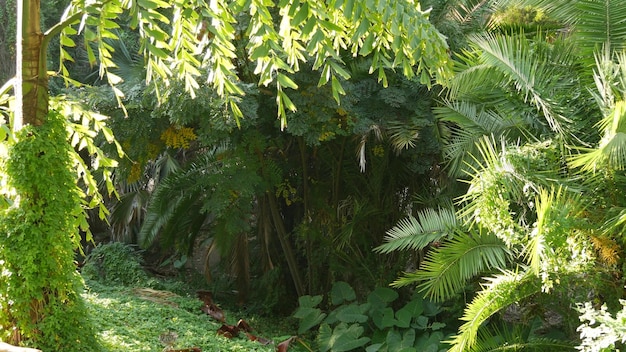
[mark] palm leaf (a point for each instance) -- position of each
(592, 23)
(165, 206)
(516, 339)
(513, 58)
(448, 268)
(414, 234)
(611, 151)
(498, 293)
(176, 197)
(472, 123)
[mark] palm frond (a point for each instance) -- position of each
(592, 23)
(174, 195)
(448, 268)
(513, 58)
(516, 339)
(611, 151)
(167, 205)
(472, 122)
(600, 23)
(414, 234)
(499, 292)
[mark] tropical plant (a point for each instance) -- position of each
(516, 108)
(195, 38)
(373, 325)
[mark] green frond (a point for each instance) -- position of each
(403, 136)
(600, 23)
(166, 206)
(448, 268)
(555, 224)
(176, 194)
(494, 185)
(592, 23)
(611, 151)
(472, 122)
(515, 339)
(413, 234)
(498, 293)
(513, 57)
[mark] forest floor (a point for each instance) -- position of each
(147, 319)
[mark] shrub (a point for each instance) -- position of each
(374, 325)
(115, 263)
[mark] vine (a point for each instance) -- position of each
(40, 303)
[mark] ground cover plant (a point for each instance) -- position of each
(144, 319)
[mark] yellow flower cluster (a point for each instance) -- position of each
(178, 137)
(608, 250)
(135, 173)
(379, 150)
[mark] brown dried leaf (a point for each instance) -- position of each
(263, 341)
(205, 296)
(283, 346)
(243, 325)
(228, 331)
(214, 312)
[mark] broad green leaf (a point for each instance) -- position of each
(351, 314)
(381, 297)
(397, 342)
(310, 301)
(342, 338)
(383, 318)
(429, 342)
(412, 309)
(341, 292)
(309, 318)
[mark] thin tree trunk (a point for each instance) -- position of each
(287, 250)
(31, 86)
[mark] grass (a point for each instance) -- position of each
(132, 319)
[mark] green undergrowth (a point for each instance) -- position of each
(133, 319)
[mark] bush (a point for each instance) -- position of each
(115, 263)
(373, 325)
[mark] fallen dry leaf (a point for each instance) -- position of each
(283, 346)
(214, 311)
(263, 341)
(228, 331)
(243, 325)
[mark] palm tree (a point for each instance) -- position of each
(518, 114)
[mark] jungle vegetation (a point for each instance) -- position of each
(466, 152)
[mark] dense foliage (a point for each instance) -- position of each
(39, 286)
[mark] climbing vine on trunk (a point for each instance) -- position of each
(39, 285)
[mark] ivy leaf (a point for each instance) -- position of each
(342, 338)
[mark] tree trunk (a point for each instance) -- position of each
(31, 85)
